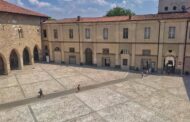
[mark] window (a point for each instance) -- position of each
(125, 62)
(71, 33)
(20, 33)
(146, 52)
(147, 33)
(71, 50)
(87, 33)
(55, 34)
(44, 33)
(106, 51)
(105, 33)
(125, 33)
(171, 33)
(124, 51)
(174, 8)
(166, 8)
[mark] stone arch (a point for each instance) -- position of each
(3, 65)
(36, 54)
(14, 59)
(170, 61)
(88, 56)
(27, 56)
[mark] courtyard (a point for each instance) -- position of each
(106, 95)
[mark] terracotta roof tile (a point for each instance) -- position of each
(125, 18)
(11, 8)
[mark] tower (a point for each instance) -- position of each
(168, 6)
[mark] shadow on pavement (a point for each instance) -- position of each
(186, 80)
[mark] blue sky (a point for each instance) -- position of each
(60, 9)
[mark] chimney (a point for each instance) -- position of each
(78, 18)
(130, 16)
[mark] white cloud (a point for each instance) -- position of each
(18, 2)
(39, 3)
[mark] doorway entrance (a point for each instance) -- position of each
(72, 60)
(57, 55)
(106, 62)
(26, 57)
(14, 60)
(169, 64)
(36, 54)
(88, 55)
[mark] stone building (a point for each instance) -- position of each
(168, 6)
(159, 42)
(20, 37)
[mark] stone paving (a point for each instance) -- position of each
(151, 99)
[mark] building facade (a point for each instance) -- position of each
(20, 37)
(158, 42)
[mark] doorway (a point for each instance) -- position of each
(88, 55)
(26, 57)
(106, 62)
(36, 54)
(2, 70)
(14, 60)
(72, 60)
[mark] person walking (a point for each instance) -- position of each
(40, 93)
(78, 88)
(142, 75)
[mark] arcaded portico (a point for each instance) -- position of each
(20, 42)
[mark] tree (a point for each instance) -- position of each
(119, 11)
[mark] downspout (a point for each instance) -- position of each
(158, 49)
(187, 26)
(79, 39)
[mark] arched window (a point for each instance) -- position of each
(57, 49)
(166, 8)
(174, 8)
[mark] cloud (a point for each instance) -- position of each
(18, 2)
(39, 3)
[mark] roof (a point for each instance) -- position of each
(11, 8)
(125, 18)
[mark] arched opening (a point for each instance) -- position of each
(26, 56)
(88, 55)
(2, 66)
(57, 55)
(169, 64)
(14, 61)
(36, 54)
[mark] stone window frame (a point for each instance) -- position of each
(147, 32)
(166, 8)
(172, 32)
(71, 50)
(125, 33)
(174, 8)
(105, 33)
(55, 33)
(87, 33)
(20, 32)
(71, 33)
(44, 33)
(105, 51)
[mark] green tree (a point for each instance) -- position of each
(119, 11)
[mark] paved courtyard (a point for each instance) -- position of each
(106, 96)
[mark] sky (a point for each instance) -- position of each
(59, 9)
